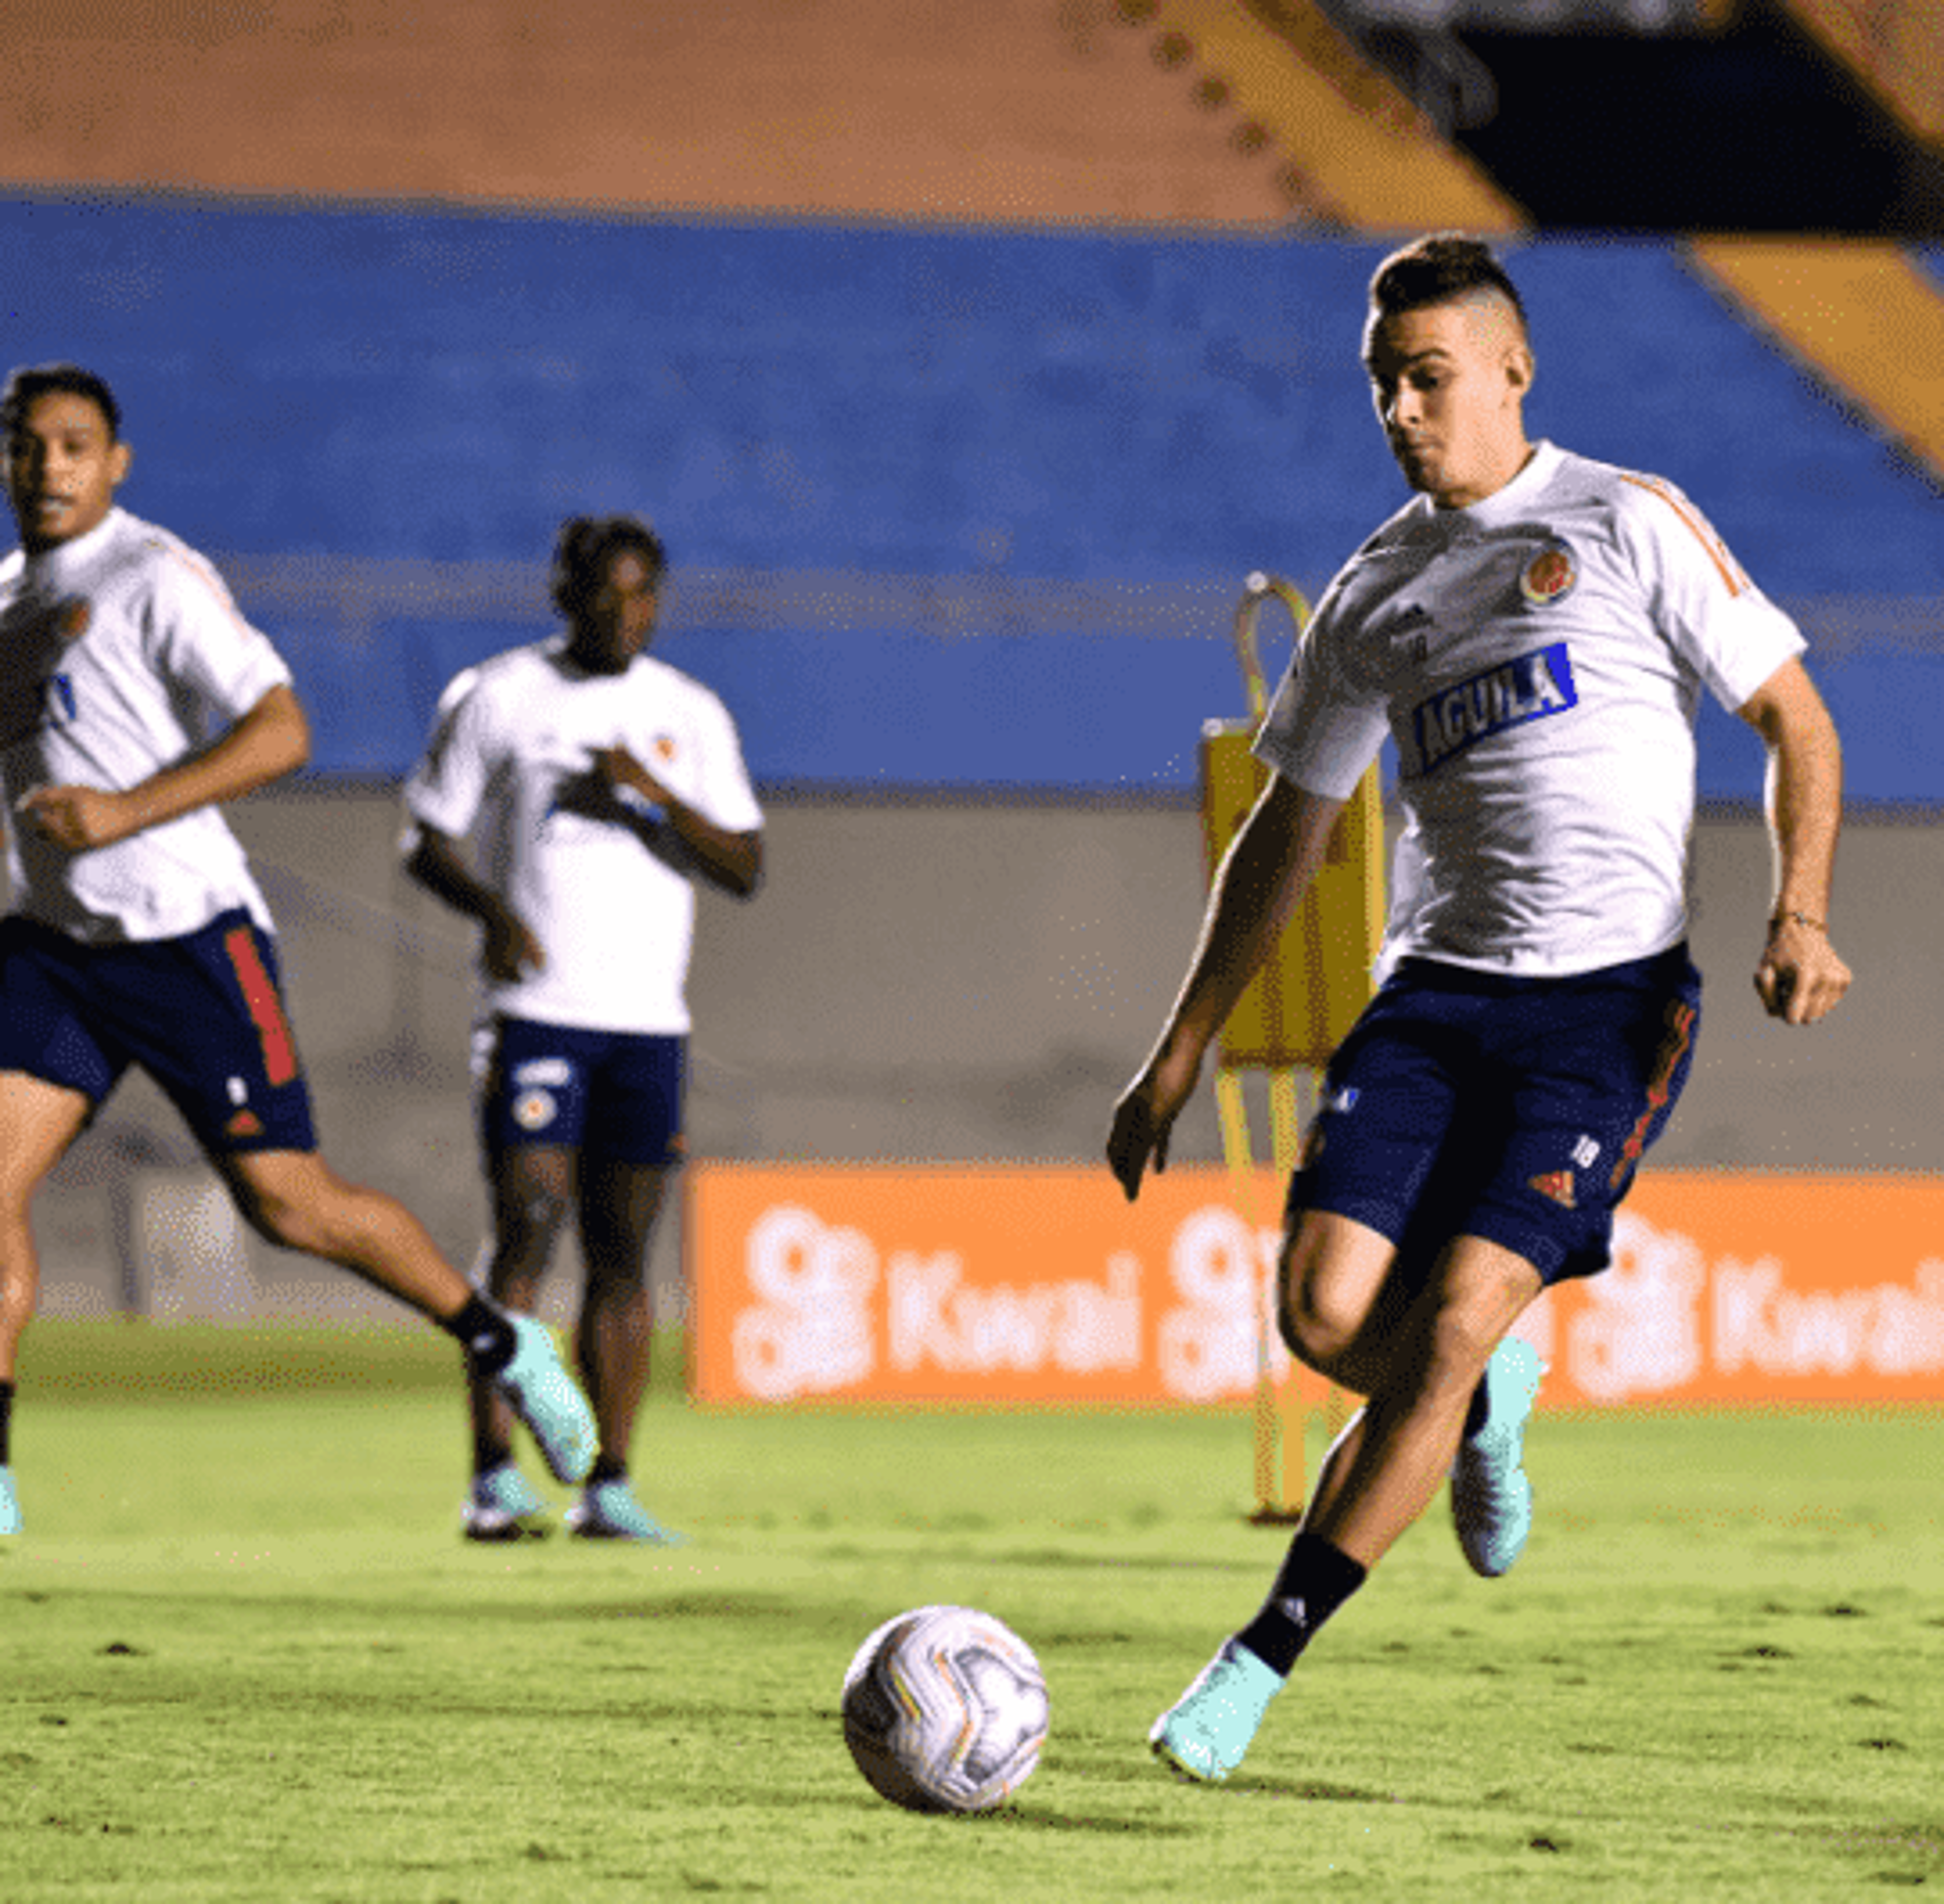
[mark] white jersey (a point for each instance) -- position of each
(615, 917)
(123, 655)
(1538, 659)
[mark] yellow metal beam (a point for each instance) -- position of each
(1858, 313)
(1370, 158)
(1895, 48)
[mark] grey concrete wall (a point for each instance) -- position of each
(934, 980)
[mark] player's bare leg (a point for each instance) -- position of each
(532, 1186)
(1336, 1279)
(1420, 1362)
(38, 1122)
(295, 1200)
(619, 1204)
(1392, 1460)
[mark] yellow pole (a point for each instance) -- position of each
(1232, 1106)
(1288, 1024)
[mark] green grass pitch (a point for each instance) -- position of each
(244, 1656)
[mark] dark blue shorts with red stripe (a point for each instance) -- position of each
(202, 1014)
(1514, 1110)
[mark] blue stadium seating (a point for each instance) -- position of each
(1136, 411)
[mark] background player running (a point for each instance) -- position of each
(1534, 631)
(137, 935)
(602, 782)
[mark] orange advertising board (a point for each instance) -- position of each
(1031, 1285)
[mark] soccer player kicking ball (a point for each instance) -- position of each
(1533, 630)
(138, 936)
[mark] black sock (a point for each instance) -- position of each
(606, 1468)
(1316, 1578)
(1478, 1413)
(6, 1420)
(487, 1333)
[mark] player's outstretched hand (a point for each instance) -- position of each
(1144, 1118)
(1801, 979)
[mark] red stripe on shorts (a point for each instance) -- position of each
(266, 1010)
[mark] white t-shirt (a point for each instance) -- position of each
(615, 917)
(124, 654)
(1538, 659)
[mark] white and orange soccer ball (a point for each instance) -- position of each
(945, 1709)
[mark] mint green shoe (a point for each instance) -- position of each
(1491, 1499)
(10, 1507)
(608, 1511)
(544, 1397)
(1204, 1734)
(503, 1505)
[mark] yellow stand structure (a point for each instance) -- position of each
(1315, 981)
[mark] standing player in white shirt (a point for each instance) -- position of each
(601, 783)
(1534, 631)
(137, 936)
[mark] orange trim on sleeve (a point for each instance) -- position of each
(210, 578)
(1725, 564)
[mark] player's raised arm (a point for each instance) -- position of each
(1268, 863)
(1800, 977)
(731, 860)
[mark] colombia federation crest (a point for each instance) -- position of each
(1549, 575)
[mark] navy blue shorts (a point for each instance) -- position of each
(203, 1015)
(1514, 1110)
(615, 1095)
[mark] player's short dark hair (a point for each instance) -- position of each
(29, 383)
(584, 547)
(1443, 269)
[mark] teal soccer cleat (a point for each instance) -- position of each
(544, 1397)
(10, 1507)
(503, 1505)
(608, 1511)
(1205, 1733)
(1491, 1499)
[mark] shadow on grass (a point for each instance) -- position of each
(1314, 1790)
(344, 1613)
(1125, 1769)
(1036, 1818)
(1066, 1557)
